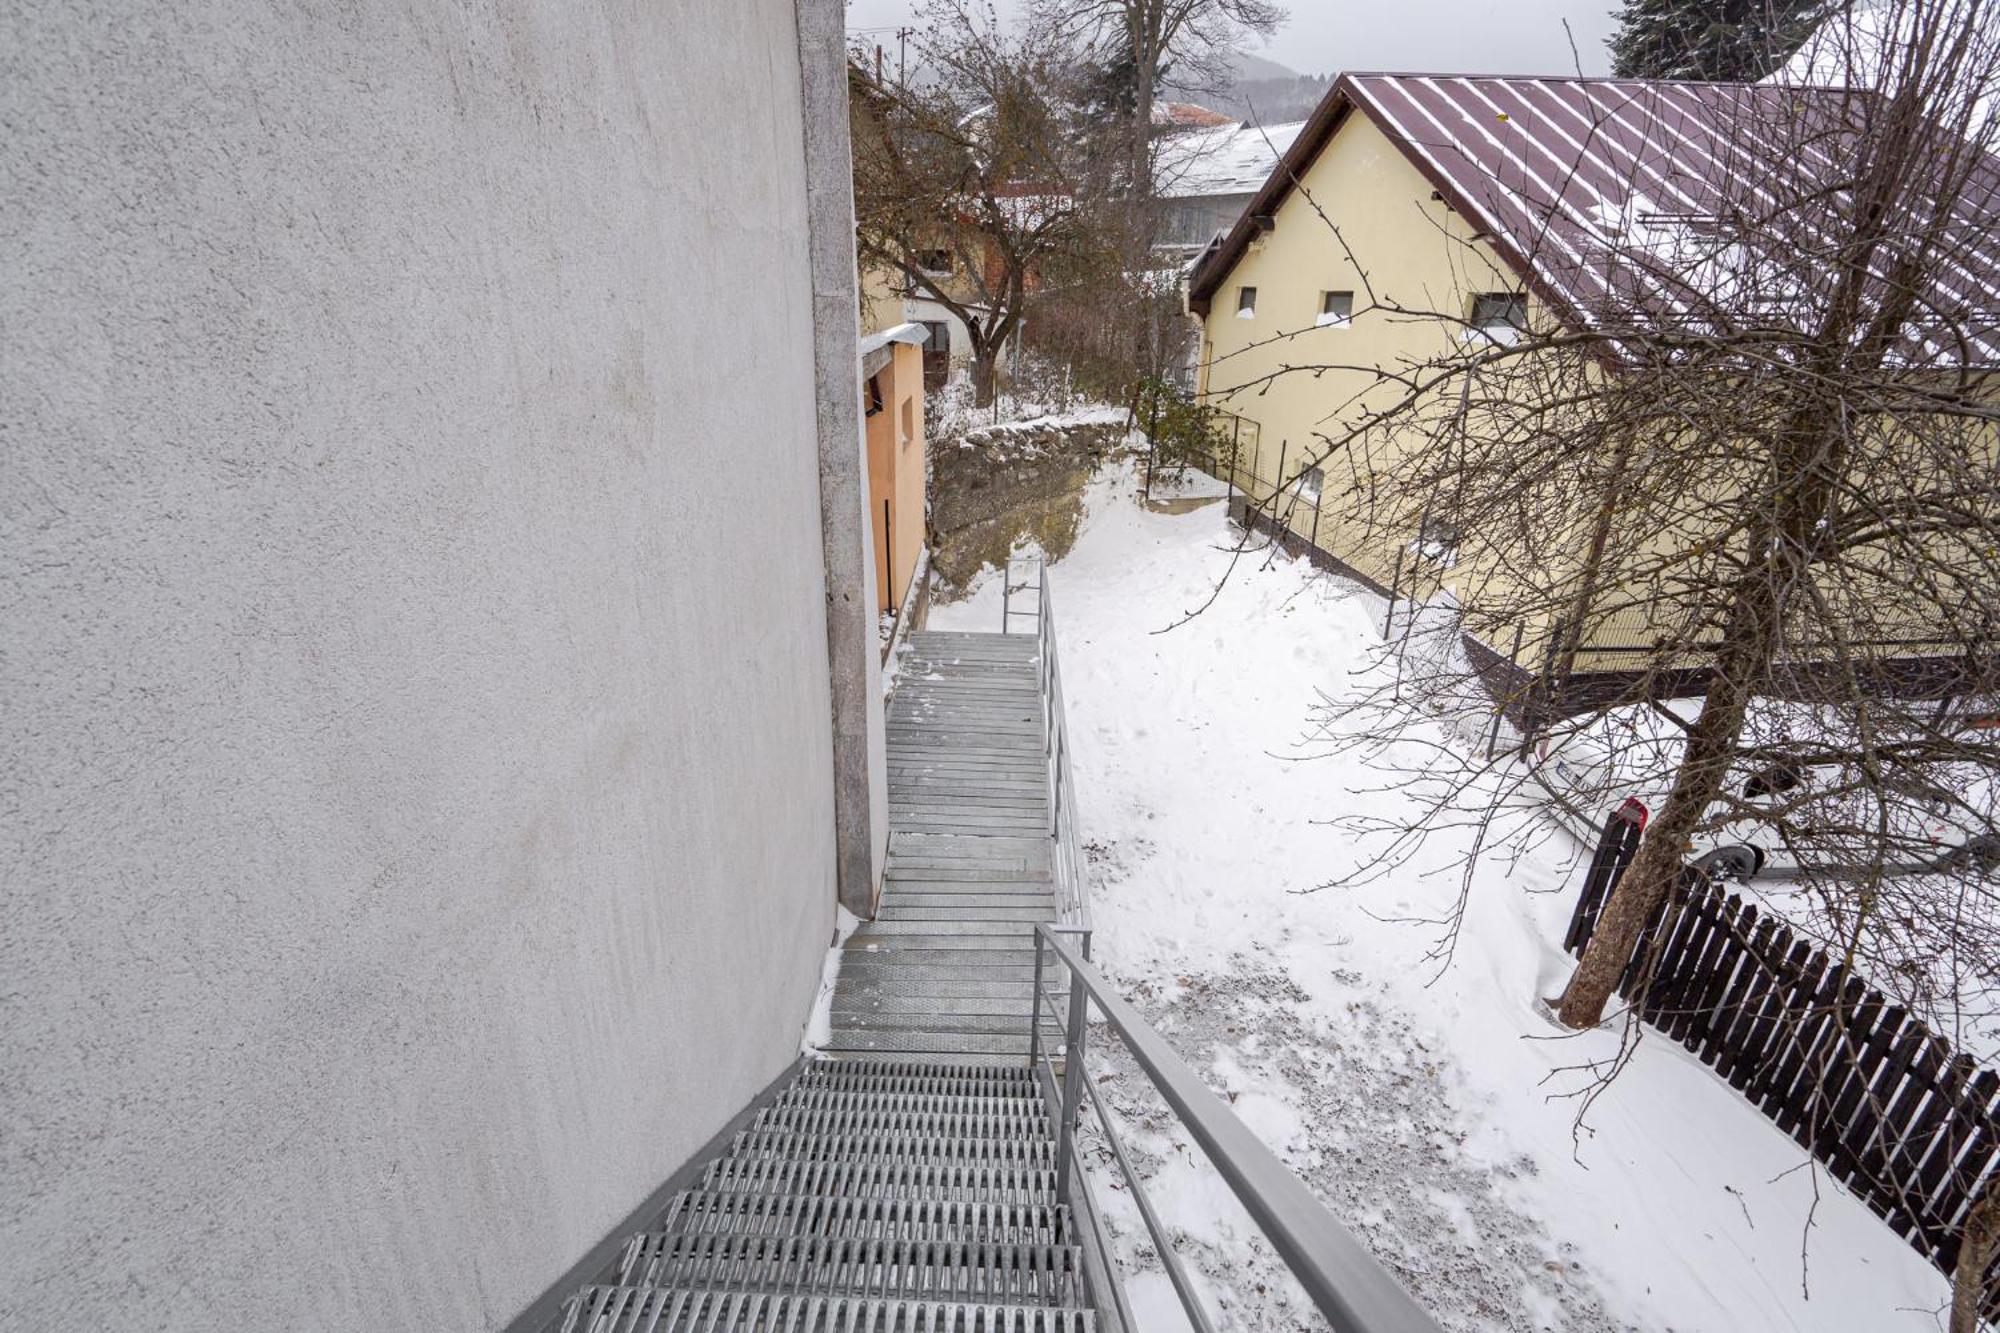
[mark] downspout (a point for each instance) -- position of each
(860, 778)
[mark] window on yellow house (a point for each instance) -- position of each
(1246, 303)
(1310, 483)
(936, 261)
(1336, 310)
(1500, 316)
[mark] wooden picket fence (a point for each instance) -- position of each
(1884, 1103)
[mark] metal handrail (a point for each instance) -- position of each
(1346, 1284)
(1008, 588)
(1066, 848)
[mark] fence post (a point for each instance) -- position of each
(1538, 696)
(1278, 489)
(1500, 710)
(1389, 616)
(1235, 430)
(1615, 847)
(1152, 438)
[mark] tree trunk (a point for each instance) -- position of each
(1647, 881)
(1975, 1254)
(985, 374)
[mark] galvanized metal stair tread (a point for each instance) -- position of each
(704, 1212)
(838, 1101)
(912, 1076)
(942, 1042)
(782, 1145)
(897, 1269)
(886, 1179)
(912, 1018)
(979, 1123)
(614, 1309)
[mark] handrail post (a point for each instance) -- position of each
(1055, 794)
(1072, 1089)
(1035, 1010)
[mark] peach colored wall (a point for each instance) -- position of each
(896, 472)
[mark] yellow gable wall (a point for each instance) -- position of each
(1418, 255)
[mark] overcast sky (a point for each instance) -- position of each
(1432, 36)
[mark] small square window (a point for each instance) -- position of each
(1311, 481)
(1500, 316)
(1246, 302)
(1336, 310)
(1437, 541)
(935, 261)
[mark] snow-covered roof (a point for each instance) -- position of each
(1624, 196)
(1230, 159)
(914, 334)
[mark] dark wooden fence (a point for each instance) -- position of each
(1884, 1103)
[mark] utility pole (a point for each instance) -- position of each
(878, 64)
(903, 36)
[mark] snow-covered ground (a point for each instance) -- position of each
(1425, 1107)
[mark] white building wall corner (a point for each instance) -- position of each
(860, 772)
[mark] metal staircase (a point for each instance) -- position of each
(928, 1178)
(870, 1195)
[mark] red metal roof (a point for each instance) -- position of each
(1615, 198)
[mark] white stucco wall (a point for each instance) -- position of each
(416, 825)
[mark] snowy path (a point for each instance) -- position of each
(1418, 1105)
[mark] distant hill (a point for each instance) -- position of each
(1264, 92)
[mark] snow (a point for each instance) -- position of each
(1230, 159)
(1425, 1105)
(819, 1027)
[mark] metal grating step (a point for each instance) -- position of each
(979, 1120)
(701, 1212)
(969, 1182)
(934, 1103)
(659, 1310)
(759, 1144)
(1016, 1081)
(831, 1266)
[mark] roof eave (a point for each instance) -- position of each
(1318, 129)
(1326, 120)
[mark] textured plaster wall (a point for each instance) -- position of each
(416, 811)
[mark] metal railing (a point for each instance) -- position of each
(1066, 849)
(1345, 1283)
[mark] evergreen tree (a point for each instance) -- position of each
(1735, 40)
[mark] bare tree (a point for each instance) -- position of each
(1147, 43)
(1753, 459)
(976, 183)
(1714, 512)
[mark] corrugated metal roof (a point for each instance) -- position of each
(1623, 198)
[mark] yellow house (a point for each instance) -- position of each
(1285, 286)
(892, 398)
(1417, 218)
